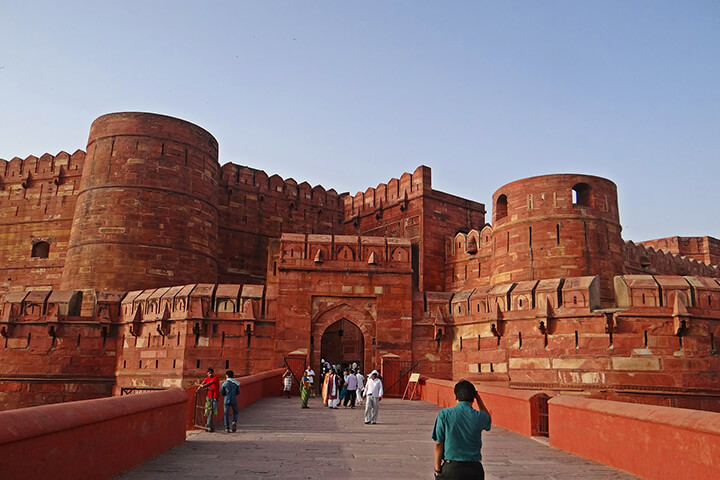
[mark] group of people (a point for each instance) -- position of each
(230, 390)
(351, 387)
(457, 430)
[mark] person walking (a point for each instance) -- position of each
(331, 390)
(305, 390)
(360, 386)
(287, 382)
(457, 434)
(310, 374)
(351, 383)
(373, 395)
(212, 383)
(230, 390)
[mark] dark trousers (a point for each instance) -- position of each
(350, 396)
(461, 471)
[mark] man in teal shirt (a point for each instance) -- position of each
(457, 434)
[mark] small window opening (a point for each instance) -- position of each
(557, 233)
(139, 364)
(582, 195)
(519, 339)
(227, 364)
(40, 250)
(197, 364)
(124, 363)
(157, 363)
(501, 205)
(460, 343)
(643, 299)
(174, 362)
(577, 340)
(645, 339)
(491, 368)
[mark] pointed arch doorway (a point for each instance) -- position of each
(342, 343)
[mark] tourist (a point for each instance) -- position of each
(457, 434)
(230, 390)
(310, 374)
(331, 390)
(343, 385)
(287, 382)
(373, 395)
(360, 386)
(212, 383)
(305, 389)
(351, 384)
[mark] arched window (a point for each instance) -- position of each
(501, 207)
(41, 250)
(582, 195)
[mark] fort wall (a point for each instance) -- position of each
(37, 204)
(658, 345)
(643, 259)
(410, 208)
(703, 249)
(255, 208)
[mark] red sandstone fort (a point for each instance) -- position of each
(141, 261)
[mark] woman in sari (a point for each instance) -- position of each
(305, 389)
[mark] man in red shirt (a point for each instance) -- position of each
(212, 382)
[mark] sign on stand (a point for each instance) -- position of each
(414, 379)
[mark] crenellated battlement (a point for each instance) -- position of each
(317, 251)
(640, 258)
(45, 167)
(182, 302)
(243, 178)
(409, 185)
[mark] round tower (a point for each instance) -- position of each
(146, 213)
(557, 226)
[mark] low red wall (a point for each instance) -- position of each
(652, 442)
(510, 409)
(252, 389)
(90, 439)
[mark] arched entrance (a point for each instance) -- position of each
(342, 343)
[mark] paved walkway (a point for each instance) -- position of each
(278, 439)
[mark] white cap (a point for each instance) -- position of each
(374, 372)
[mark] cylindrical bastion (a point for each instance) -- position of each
(557, 226)
(146, 214)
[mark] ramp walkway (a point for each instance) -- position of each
(276, 439)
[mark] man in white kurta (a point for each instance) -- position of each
(373, 395)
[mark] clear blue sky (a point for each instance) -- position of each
(351, 94)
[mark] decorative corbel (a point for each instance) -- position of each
(543, 329)
(27, 183)
(610, 324)
(60, 177)
(163, 327)
(496, 332)
(681, 316)
(136, 325)
(404, 203)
